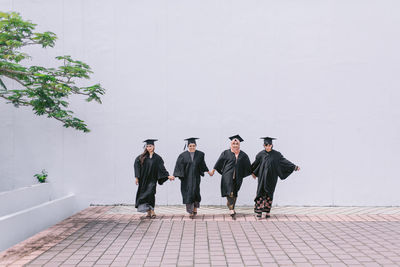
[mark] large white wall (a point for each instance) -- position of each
(322, 76)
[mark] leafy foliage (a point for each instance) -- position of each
(46, 90)
(41, 176)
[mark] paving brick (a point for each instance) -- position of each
(301, 236)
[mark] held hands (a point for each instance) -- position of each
(171, 178)
(136, 181)
(211, 173)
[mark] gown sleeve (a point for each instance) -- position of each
(203, 166)
(137, 167)
(246, 166)
(286, 167)
(162, 172)
(255, 166)
(179, 170)
(219, 165)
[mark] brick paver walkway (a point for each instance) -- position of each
(293, 236)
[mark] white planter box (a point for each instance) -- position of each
(29, 210)
(21, 225)
(23, 198)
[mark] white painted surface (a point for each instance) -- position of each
(25, 197)
(322, 76)
(20, 225)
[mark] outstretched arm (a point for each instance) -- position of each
(255, 165)
(219, 165)
(286, 167)
(179, 170)
(163, 174)
(203, 167)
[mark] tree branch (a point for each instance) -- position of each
(45, 89)
(24, 103)
(15, 79)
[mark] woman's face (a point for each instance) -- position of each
(192, 147)
(268, 148)
(150, 148)
(235, 144)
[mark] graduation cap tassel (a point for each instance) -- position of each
(184, 147)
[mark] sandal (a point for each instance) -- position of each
(233, 215)
(267, 216)
(152, 214)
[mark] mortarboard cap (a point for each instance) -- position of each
(268, 140)
(191, 140)
(150, 141)
(236, 137)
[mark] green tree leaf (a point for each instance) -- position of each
(45, 90)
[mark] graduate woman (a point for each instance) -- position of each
(190, 165)
(149, 169)
(268, 166)
(233, 165)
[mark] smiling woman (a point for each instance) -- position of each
(149, 170)
(189, 167)
(233, 165)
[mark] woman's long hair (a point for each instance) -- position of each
(143, 156)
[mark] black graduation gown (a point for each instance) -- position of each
(151, 172)
(268, 166)
(227, 166)
(189, 173)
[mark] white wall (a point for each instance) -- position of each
(322, 76)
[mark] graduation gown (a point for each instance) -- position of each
(189, 172)
(268, 166)
(228, 167)
(151, 172)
